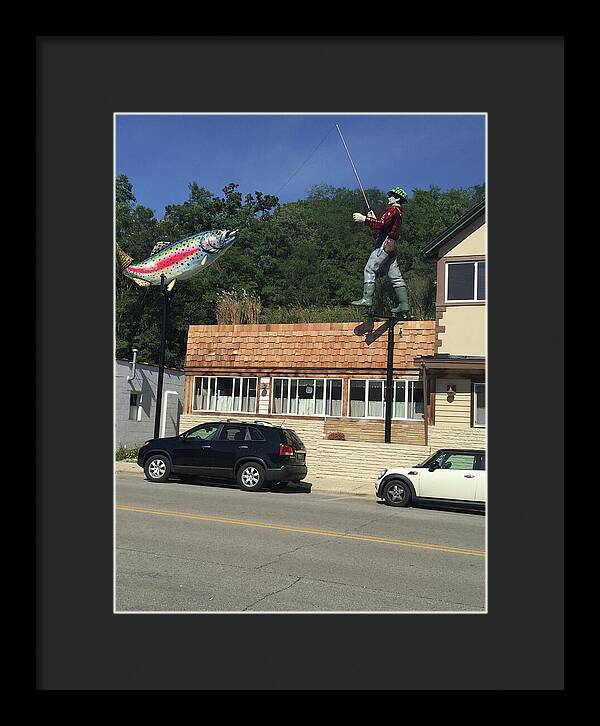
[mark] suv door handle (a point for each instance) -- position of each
(205, 447)
(242, 447)
(469, 476)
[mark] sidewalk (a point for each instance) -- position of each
(326, 484)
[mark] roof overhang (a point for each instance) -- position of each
(431, 249)
(452, 363)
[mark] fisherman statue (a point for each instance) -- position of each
(386, 230)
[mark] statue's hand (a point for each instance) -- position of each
(371, 214)
(358, 217)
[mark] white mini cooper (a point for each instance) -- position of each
(453, 478)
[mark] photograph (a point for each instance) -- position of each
(300, 363)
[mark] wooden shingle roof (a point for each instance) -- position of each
(304, 346)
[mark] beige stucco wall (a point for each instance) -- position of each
(474, 244)
(464, 332)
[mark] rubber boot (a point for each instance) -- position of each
(367, 298)
(402, 309)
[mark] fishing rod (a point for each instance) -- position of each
(357, 177)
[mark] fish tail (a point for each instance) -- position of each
(124, 259)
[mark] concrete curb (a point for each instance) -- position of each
(327, 485)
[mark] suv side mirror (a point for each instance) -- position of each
(434, 465)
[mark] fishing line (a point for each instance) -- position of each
(305, 161)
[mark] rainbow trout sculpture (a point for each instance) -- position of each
(177, 260)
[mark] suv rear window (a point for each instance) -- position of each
(292, 439)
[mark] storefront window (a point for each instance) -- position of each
(368, 396)
(307, 396)
(215, 393)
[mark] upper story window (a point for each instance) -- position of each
(465, 281)
(216, 393)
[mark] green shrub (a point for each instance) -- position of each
(123, 452)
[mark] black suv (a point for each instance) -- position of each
(250, 453)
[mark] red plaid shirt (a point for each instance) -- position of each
(388, 225)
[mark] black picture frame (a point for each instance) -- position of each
(81, 644)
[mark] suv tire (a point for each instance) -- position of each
(251, 477)
(157, 467)
(397, 493)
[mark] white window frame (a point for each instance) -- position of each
(234, 378)
(475, 264)
(289, 380)
(383, 380)
(475, 397)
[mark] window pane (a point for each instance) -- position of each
(461, 280)
(357, 398)
(399, 399)
(415, 403)
(133, 406)
(237, 387)
(250, 406)
(256, 435)
(306, 389)
(205, 433)
(212, 393)
(481, 280)
(293, 394)
(286, 395)
(319, 393)
(479, 408)
(375, 402)
(277, 393)
(233, 433)
(334, 398)
(224, 394)
(459, 461)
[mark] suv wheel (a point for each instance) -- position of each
(397, 493)
(157, 468)
(251, 477)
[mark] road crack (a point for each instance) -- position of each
(270, 594)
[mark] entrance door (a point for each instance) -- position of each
(455, 478)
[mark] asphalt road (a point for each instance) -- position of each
(211, 548)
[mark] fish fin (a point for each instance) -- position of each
(158, 246)
(124, 259)
(171, 285)
(203, 261)
(142, 283)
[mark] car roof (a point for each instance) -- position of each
(443, 448)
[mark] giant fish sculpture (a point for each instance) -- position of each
(177, 260)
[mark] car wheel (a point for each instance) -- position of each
(397, 493)
(157, 468)
(251, 477)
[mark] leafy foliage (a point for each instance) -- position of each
(298, 262)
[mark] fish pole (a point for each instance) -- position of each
(161, 357)
(355, 172)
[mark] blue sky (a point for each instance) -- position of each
(162, 154)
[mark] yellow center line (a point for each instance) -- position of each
(306, 530)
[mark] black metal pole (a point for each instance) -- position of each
(389, 382)
(161, 358)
